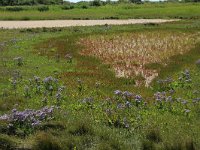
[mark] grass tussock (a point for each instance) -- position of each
(44, 141)
(6, 143)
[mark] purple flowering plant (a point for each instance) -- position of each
(27, 120)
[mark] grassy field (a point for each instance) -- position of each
(116, 11)
(59, 94)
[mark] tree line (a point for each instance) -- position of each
(51, 2)
(29, 2)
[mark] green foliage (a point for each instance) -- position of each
(28, 2)
(6, 143)
(43, 8)
(44, 141)
(96, 3)
(14, 8)
(81, 128)
(67, 7)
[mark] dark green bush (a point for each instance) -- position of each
(45, 141)
(96, 3)
(84, 7)
(154, 136)
(43, 8)
(80, 128)
(6, 143)
(148, 145)
(187, 144)
(67, 7)
(16, 8)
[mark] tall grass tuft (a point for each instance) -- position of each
(46, 141)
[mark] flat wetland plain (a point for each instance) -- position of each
(89, 87)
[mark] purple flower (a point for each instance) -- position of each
(128, 104)
(88, 100)
(138, 98)
(160, 96)
(28, 117)
(120, 106)
(125, 122)
(58, 96)
(187, 111)
(4, 117)
(117, 92)
(48, 80)
(196, 100)
(184, 102)
(61, 88)
(169, 99)
(37, 79)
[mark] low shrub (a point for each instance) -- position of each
(6, 143)
(148, 145)
(67, 7)
(96, 3)
(80, 128)
(84, 7)
(44, 141)
(43, 8)
(154, 136)
(16, 8)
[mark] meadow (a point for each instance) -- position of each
(108, 11)
(59, 88)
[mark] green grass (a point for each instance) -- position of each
(79, 125)
(117, 11)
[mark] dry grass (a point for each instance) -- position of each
(129, 53)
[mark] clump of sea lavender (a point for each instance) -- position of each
(27, 92)
(124, 94)
(59, 95)
(138, 100)
(17, 75)
(37, 80)
(165, 84)
(27, 119)
(118, 92)
(165, 81)
(80, 84)
(58, 98)
(50, 83)
(69, 58)
(88, 100)
(127, 95)
(14, 86)
(185, 76)
(18, 61)
(160, 96)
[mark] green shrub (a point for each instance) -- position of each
(79, 128)
(96, 3)
(45, 141)
(187, 144)
(148, 145)
(43, 8)
(84, 7)
(154, 136)
(67, 7)
(6, 143)
(16, 8)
